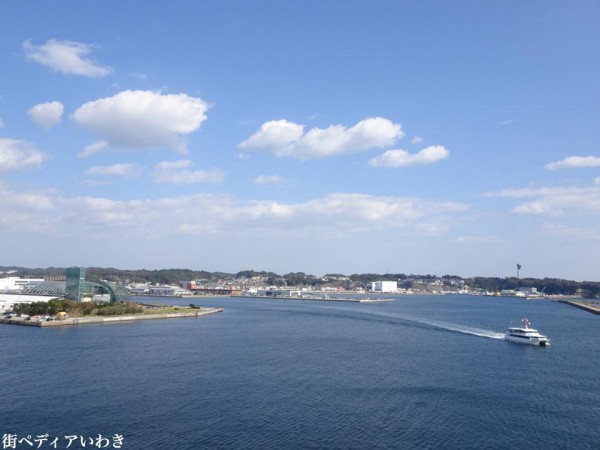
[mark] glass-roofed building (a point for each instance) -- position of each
(77, 288)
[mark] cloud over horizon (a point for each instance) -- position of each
(554, 201)
(575, 233)
(67, 57)
(287, 139)
(331, 216)
(18, 155)
(142, 120)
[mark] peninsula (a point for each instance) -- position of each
(72, 314)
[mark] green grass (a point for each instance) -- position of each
(168, 310)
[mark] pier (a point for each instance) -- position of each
(586, 306)
(107, 319)
(318, 298)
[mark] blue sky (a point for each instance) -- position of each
(326, 137)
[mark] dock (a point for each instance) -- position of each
(107, 319)
(586, 306)
(318, 298)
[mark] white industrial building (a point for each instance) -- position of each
(13, 284)
(384, 286)
(272, 292)
(8, 300)
(168, 291)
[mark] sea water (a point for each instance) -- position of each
(419, 372)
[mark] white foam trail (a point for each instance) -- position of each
(437, 324)
(461, 328)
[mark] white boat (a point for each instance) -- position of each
(526, 335)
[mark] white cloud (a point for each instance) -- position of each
(174, 165)
(337, 214)
(66, 57)
(47, 114)
(177, 172)
(576, 233)
(18, 155)
(190, 177)
(1, 123)
(332, 216)
(434, 226)
(537, 208)
(401, 158)
(243, 156)
(477, 240)
(417, 140)
(97, 182)
(537, 192)
(574, 162)
(143, 119)
(505, 122)
(274, 136)
(269, 179)
(555, 201)
(597, 180)
(288, 139)
(91, 149)
(116, 170)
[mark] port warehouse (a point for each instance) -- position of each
(15, 288)
(8, 300)
(384, 286)
(17, 283)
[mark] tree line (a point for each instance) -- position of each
(76, 309)
(550, 286)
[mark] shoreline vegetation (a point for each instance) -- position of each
(60, 312)
(247, 279)
(78, 309)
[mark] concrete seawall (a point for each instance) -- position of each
(108, 319)
(594, 309)
(317, 299)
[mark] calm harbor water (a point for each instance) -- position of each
(420, 372)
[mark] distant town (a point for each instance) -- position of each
(185, 282)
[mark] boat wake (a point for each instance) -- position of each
(460, 328)
(427, 323)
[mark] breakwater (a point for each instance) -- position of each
(586, 306)
(318, 298)
(107, 319)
